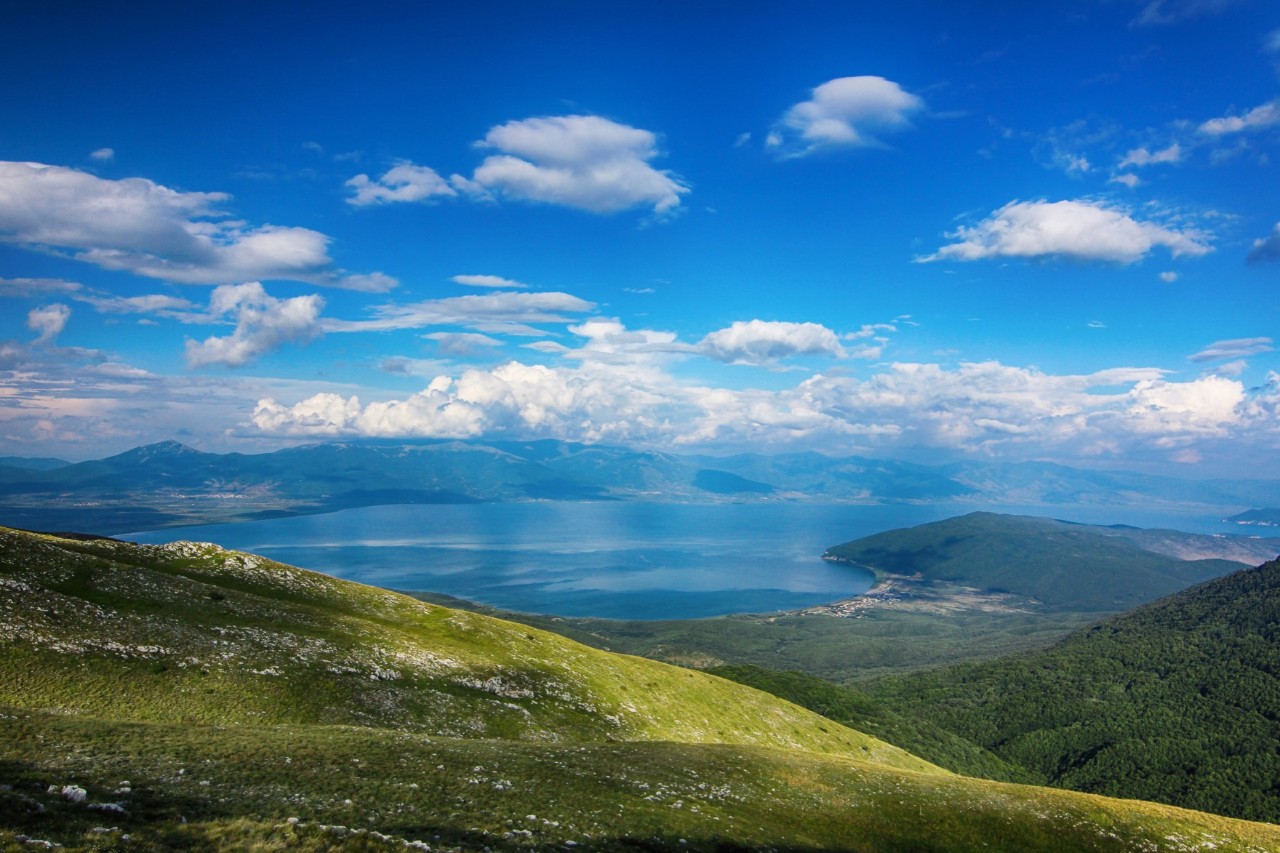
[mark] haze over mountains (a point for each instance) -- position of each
(170, 483)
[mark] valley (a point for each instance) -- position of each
(203, 697)
(187, 696)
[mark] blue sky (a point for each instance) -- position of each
(925, 230)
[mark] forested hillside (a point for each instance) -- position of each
(1177, 701)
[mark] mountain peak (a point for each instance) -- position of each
(159, 450)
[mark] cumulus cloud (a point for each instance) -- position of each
(263, 323)
(763, 342)
(1080, 230)
(1145, 157)
(513, 399)
(461, 343)
(1168, 276)
(847, 112)
(1128, 179)
(581, 161)
(607, 340)
(48, 321)
(103, 155)
(148, 229)
(987, 408)
(1259, 117)
(404, 182)
(1266, 248)
(490, 312)
(1234, 348)
(488, 281)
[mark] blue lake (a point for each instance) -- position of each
(616, 560)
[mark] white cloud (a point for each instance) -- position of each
(608, 340)
(151, 230)
(512, 399)
(581, 161)
(763, 342)
(152, 303)
(1263, 116)
(877, 330)
(28, 287)
(462, 343)
(1168, 277)
(263, 323)
(48, 321)
(1231, 368)
(1272, 43)
(1178, 410)
(1234, 348)
(488, 281)
(1079, 230)
(1266, 248)
(1144, 157)
(103, 155)
(847, 112)
(404, 182)
(489, 312)
(986, 409)
(1129, 180)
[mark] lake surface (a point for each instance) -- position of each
(616, 560)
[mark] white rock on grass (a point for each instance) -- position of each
(74, 793)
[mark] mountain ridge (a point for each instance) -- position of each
(168, 483)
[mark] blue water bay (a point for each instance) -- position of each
(614, 560)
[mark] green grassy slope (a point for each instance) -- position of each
(359, 788)
(190, 632)
(1177, 701)
(1062, 566)
(193, 698)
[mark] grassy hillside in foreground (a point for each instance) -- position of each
(184, 697)
(189, 632)
(1177, 701)
(1051, 564)
(353, 788)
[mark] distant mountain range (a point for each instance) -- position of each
(169, 483)
(1269, 517)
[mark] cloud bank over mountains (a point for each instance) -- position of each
(987, 409)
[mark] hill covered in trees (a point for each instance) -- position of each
(1177, 701)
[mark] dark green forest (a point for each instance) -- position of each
(1177, 701)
